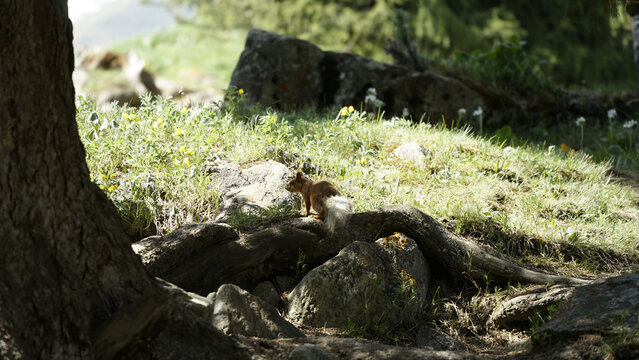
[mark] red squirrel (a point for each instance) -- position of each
(324, 198)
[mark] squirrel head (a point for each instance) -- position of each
(295, 185)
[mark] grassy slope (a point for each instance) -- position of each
(559, 211)
(516, 198)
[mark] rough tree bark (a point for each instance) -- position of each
(71, 286)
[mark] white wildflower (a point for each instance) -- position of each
(630, 123)
(371, 98)
(580, 121)
(612, 113)
(478, 112)
(405, 112)
(461, 112)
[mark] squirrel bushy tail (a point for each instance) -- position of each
(338, 209)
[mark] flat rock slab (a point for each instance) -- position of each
(607, 307)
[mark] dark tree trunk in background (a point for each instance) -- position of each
(70, 285)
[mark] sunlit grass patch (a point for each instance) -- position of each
(493, 193)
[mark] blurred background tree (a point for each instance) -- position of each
(575, 42)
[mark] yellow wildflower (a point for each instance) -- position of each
(103, 177)
(137, 118)
(182, 149)
(157, 123)
(102, 187)
(125, 115)
(184, 110)
(241, 92)
(186, 161)
(178, 132)
(351, 109)
(113, 187)
(343, 111)
(189, 151)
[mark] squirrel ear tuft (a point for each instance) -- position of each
(299, 175)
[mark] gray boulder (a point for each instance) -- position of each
(198, 305)
(240, 313)
(288, 73)
(379, 285)
(608, 307)
(254, 189)
(279, 71)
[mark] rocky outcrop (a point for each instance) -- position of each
(288, 73)
(608, 307)
(381, 285)
(240, 313)
(279, 71)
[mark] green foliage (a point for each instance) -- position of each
(359, 26)
(301, 267)
(506, 65)
(241, 219)
(578, 42)
(537, 320)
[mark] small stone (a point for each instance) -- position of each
(412, 152)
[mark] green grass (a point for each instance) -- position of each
(523, 197)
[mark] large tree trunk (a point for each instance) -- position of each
(71, 286)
